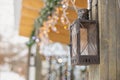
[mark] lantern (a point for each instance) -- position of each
(84, 40)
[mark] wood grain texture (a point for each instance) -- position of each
(25, 30)
(109, 22)
(104, 40)
(33, 4)
(94, 69)
(118, 38)
(112, 39)
(38, 65)
(94, 72)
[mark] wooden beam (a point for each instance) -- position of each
(118, 38)
(33, 4)
(94, 72)
(112, 39)
(108, 40)
(56, 37)
(25, 30)
(29, 12)
(27, 20)
(109, 18)
(104, 40)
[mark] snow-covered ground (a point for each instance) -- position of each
(9, 75)
(9, 26)
(10, 41)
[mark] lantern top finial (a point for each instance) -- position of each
(83, 14)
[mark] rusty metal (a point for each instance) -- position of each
(84, 40)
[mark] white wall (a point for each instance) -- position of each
(6, 16)
(9, 25)
(17, 12)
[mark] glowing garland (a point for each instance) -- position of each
(50, 6)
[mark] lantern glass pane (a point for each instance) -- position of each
(74, 41)
(83, 41)
(88, 40)
(92, 40)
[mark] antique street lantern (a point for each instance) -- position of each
(84, 40)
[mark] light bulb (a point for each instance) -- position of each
(60, 60)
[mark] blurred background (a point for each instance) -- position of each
(18, 61)
(13, 50)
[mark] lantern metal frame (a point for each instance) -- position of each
(85, 20)
(79, 59)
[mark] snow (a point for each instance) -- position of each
(10, 76)
(8, 29)
(55, 49)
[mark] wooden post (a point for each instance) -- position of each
(94, 72)
(50, 67)
(118, 38)
(109, 25)
(38, 65)
(28, 64)
(108, 40)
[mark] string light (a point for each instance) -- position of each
(48, 10)
(53, 19)
(74, 6)
(64, 18)
(60, 60)
(49, 24)
(65, 27)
